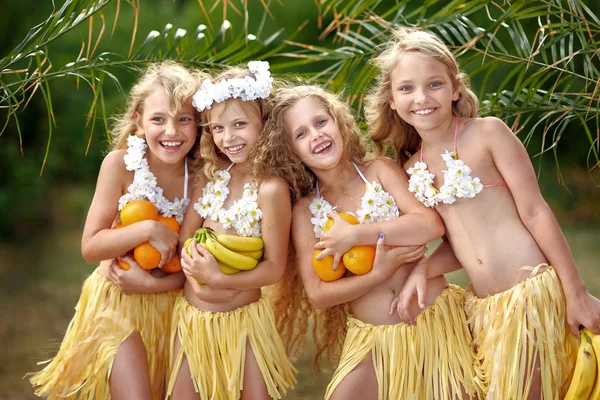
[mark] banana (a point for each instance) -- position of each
(238, 243)
(585, 369)
(596, 345)
(228, 257)
(256, 254)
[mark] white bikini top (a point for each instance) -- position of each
(244, 215)
(377, 205)
(144, 185)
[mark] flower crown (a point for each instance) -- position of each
(246, 88)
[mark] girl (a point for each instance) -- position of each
(225, 344)
(315, 143)
(499, 226)
(114, 346)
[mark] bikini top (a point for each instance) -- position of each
(458, 181)
(244, 215)
(376, 205)
(144, 185)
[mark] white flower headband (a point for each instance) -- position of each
(247, 88)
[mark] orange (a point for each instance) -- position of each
(119, 225)
(359, 259)
(146, 255)
(138, 210)
(349, 218)
(171, 222)
(324, 268)
(172, 266)
(123, 265)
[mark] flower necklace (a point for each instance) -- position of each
(144, 185)
(244, 215)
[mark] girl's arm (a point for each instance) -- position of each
(512, 161)
(274, 202)
(99, 241)
(327, 294)
(138, 280)
(416, 226)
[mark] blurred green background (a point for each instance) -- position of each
(41, 268)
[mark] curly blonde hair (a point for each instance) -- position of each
(208, 150)
(179, 83)
(273, 156)
(385, 125)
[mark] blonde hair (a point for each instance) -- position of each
(274, 157)
(179, 83)
(385, 125)
(208, 150)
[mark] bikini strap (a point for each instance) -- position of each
(318, 192)
(185, 180)
(360, 173)
(455, 135)
(230, 166)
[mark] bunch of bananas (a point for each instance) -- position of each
(586, 382)
(233, 253)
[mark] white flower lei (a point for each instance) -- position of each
(244, 215)
(457, 182)
(144, 185)
(246, 88)
(376, 205)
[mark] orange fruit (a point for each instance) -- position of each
(119, 225)
(123, 265)
(349, 218)
(171, 222)
(172, 266)
(359, 259)
(146, 255)
(324, 268)
(138, 210)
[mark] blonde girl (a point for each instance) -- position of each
(115, 345)
(315, 143)
(224, 343)
(478, 177)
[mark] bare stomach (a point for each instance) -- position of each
(373, 307)
(242, 298)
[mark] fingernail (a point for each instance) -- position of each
(381, 236)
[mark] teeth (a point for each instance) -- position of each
(233, 149)
(321, 148)
(424, 112)
(171, 144)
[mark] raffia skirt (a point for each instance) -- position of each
(104, 318)
(431, 360)
(514, 329)
(214, 344)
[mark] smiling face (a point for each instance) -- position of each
(169, 135)
(235, 126)
(422, 91)
(314, 134)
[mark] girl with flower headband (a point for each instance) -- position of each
(224, 342)
(115, 345)
(497, 222)
(312, 140)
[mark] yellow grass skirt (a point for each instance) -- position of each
(104, 318)
(431, 360)
(513, 328)
(214, 344)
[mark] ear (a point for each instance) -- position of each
(456, 92)
(138, 124)
(392, 103)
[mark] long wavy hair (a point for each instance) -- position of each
(273, 156)
(208, 150)
(386, 128)
(179, 83)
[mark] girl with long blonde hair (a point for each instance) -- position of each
(224, 343)
(312, 140)
(477, 175)
(114, 346)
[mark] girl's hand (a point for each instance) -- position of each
(201, 264)
(583, 309)
(337, 240)
(387, 259)
(135, 280)
(416, 284)
(164, 240)
(210, 294)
